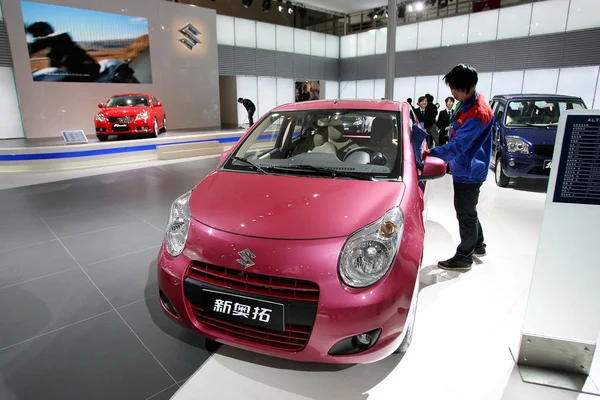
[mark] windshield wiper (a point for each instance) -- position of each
(250, 163)
(332, 172)
(543, 125)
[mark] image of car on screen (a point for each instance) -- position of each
(74, 45)
(305, 243)
(130, 114)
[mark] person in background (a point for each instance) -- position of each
(468, 153)
(443, 122)
(431, 112)
(250, 108)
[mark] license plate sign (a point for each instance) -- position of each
(244, 310)
(547, 164)
(120, 126)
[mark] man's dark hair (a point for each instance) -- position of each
(409, 100)
(462, 77)
(240, 99)
(429, 98)
(449, 98)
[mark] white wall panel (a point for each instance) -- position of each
(286, 91)
(379, 89)
(332, 90)
(404, 88)
(455, 30)
(484, 85)
(584, 14)
(332, 46)
(444, 90)
(317, 44)
(348, 89)
(349, 46)
(11, 125)
(549, 17)
(430, 34)
(225, 30)
(245, 33)
(381, 41)
(483, 26)
(285, 39)
(265, 36)
(301, 41)
(514, 22)
(365, 89)
(246, 88)
(267, 95)
(366, 43)
(509, 82)
(406, 37)
(427, 84)
(540, 81)
(579, 81)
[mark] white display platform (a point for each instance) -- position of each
(562, 321)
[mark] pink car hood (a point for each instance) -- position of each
(290, 207)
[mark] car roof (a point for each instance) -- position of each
(535, 96)
(340, 104)
(131, 94)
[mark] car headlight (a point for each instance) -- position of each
(369, 253)
(100, 118)
(517, 145)
(179, 225)
(144, 115)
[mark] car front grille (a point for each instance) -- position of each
(120, 120)
(544, 150)
(300, 299)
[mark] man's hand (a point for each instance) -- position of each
(424, 154)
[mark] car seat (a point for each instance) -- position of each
(322, 144)
(382, 135)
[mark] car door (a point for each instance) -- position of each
(497, 129)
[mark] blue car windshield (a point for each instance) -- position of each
(521, 113)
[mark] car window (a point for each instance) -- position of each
(128, 101)
(523, 113)
(363, 142)
(499, 112)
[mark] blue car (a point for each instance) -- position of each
(524, 134)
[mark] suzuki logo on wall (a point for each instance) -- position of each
(190, 40)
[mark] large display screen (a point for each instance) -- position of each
(75, 45)
(308, 90)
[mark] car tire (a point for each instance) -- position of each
(155, 130)
(102, 138)
(164, 128)
(501, 179)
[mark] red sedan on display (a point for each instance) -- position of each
(306, 241)
(127, 114)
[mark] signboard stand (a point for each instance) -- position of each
(562, 320)
(74, 137)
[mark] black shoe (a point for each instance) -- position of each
(455, 264)
(480, 252)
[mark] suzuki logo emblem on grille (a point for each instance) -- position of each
(246, 260)
(190, 40)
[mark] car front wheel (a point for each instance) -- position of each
(155, 130)
(501, 179)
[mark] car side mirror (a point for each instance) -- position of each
(100, 105)
(434, 168)
(225, 154)
(158, 104)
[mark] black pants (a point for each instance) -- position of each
(466, 197)
(251, 116)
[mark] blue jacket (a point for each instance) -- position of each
(470, 147)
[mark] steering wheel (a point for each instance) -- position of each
(375, 156)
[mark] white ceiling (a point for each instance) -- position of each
(345, 6)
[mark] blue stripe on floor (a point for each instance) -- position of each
(101, 152)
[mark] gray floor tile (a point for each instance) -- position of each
(127, 279)
(179, 350)
(33, 262)
(39, 306)
(97, 359)
(166, 394)
(24, 234)
(156, 215)
(113, 242)
(15, 216)
(77, 224)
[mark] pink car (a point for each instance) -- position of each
(306, 241)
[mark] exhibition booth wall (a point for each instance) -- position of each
(185, 80)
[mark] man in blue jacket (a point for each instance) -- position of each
(468, 152)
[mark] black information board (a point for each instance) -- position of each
(578, 176)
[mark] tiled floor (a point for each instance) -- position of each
(78, 288)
